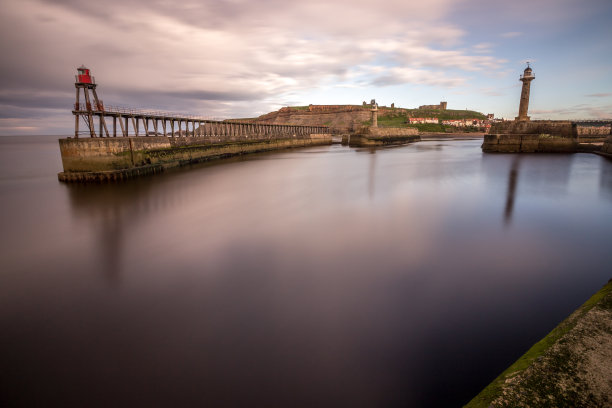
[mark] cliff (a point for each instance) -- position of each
(341, 118)
(348, 118)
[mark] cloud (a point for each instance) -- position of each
(577, 112)
(511, 34)
(492, 92)
(599, 95)
(228, 57)
(217, 46)
(484, 47)
(403, 75)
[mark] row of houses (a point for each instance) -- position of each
(467, 122)
(422, 120)
(452, 122)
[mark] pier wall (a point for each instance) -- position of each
(593, 131)
(593, 134)
(107, 159)
(607, 146)
(375, 136)
(567, 368)
(532, 137)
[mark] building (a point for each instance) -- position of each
(466, 122)
(441, 106)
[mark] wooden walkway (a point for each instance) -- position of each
(128, 122)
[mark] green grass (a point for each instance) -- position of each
(493, 390)
(392, 121)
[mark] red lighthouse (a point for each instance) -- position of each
(84, 76)
(92, 106)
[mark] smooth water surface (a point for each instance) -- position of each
(327, 276)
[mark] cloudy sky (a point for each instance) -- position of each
(243, 58)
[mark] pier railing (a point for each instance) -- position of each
(160, 123)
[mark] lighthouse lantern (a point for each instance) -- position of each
(84, 76)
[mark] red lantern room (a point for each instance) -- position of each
(84, 77)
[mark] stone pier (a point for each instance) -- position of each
(371, 136)
(606, 149)
(111, 159)
(532, 137)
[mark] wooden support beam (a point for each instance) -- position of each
(103, 118)
(145, 122)
(92, 131)
(114, 126)
(122, 128)
(76, 126)
(76, 108)
(164, 126)
(100, 108)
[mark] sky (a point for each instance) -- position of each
(239, 58)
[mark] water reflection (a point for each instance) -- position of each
(512, 180)
(371, 173)
(109, 210)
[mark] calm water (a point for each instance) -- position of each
(325, 277)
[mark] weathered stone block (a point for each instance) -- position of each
(559, 128)
(530, 143)
(509, 140)
(491, 138)
(95, 154)
(607, 146)
(553, 144)
(508, 148)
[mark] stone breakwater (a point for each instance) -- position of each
(570, 367)
(606, 149)
(113, 159)
(532, 137)
(370, 136)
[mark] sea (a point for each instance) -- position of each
(328, 276)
